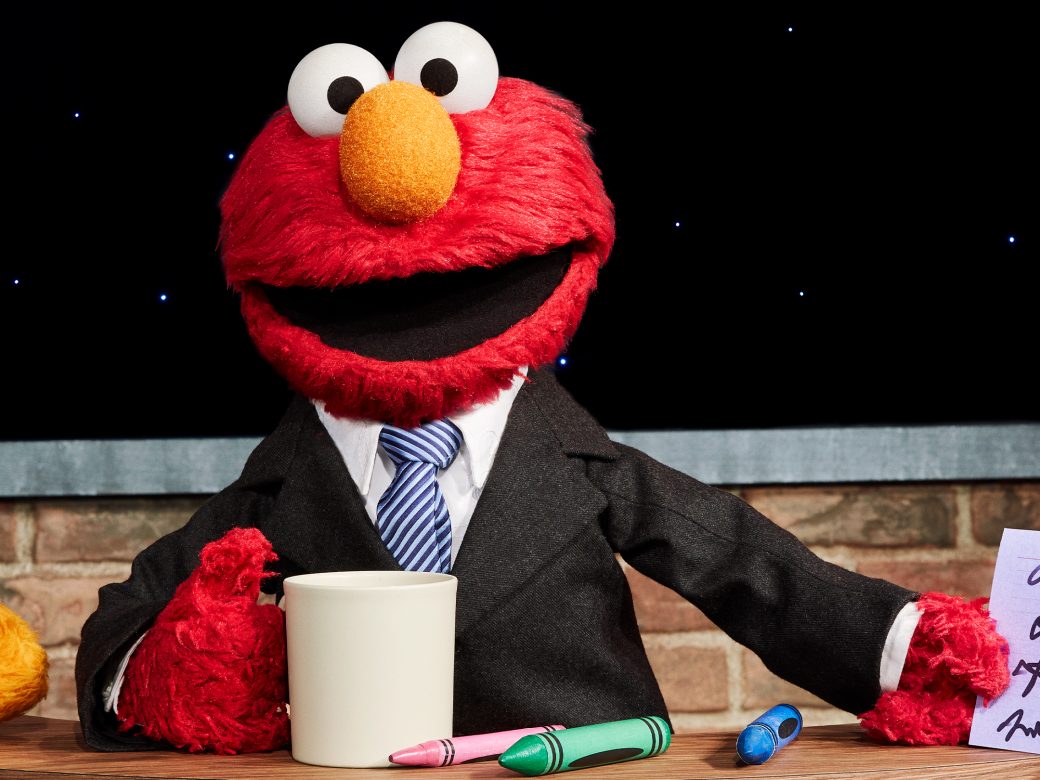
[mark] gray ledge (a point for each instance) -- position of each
(868, 454)
(729, 457)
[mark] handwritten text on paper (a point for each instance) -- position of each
(1012, 721)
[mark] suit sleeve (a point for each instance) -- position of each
(814, 624)
(126, 609)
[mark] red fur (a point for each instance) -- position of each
(527, 185)
(211, 672)
(955, 654)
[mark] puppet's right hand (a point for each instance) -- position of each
(211, 672)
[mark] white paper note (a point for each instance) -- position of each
(1012, 721)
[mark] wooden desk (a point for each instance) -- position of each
(46, 748)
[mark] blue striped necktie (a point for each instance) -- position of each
(412, 516)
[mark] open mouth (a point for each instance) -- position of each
(425, 316)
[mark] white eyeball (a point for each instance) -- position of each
(326, 83)
(452, 61)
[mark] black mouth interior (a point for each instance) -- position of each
(425, 316)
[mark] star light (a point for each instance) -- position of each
(162, 297)
(75, 115)
(801, 293)
(17, 281)
(1011, 239)
(563, 361)
(790, 29)
(231, 155)
(678, 224)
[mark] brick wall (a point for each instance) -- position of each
(55, 554)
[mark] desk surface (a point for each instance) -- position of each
(47, 748)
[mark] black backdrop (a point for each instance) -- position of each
(845, 192)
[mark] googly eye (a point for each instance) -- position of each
(452, 61)
(326, 82)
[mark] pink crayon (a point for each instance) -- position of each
(459, 750)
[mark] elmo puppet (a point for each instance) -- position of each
(411, 249)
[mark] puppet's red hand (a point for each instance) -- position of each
(955, 654)
(211, 673)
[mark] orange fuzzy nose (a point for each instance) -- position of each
(399, 154)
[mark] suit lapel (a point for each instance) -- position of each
(535, 502)
(318, 522)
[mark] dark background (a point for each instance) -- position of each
(845, 192)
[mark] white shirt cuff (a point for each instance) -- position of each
(893, 657)
(114, 687)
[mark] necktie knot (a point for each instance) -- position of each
(436, 443)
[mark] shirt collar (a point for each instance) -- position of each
(358, 440)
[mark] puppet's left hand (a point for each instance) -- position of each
(955, 655)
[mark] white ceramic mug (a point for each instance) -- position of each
(371, 663)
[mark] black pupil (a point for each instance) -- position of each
(439, 77)
(343, 92)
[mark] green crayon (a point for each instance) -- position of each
(585, 746)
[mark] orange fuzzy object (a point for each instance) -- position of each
(23, 666)
(399, 153)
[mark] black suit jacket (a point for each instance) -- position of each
(545, 629)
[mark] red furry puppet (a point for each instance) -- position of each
(410, 251)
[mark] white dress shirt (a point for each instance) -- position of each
(461, 483)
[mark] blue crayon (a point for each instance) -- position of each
(769, 732)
